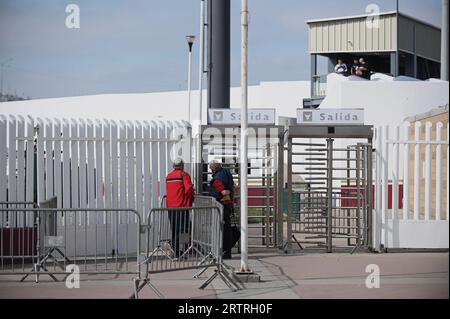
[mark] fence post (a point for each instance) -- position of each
(406, 157)
(378, 198)
(395, 172)
(439, 127)
(417, 171)
(385, 182)
(428, 170)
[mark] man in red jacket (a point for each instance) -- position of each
(180, 193)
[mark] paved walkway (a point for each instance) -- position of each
(308, 275)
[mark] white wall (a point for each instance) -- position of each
(386, 102)
(286, 97)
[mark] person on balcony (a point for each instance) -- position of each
(341, 68)
(355, 67)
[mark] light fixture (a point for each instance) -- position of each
(190, 40)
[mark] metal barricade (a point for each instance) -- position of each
(184, 238)
(80, 237)
(18, 235)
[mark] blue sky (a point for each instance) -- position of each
(139, 45)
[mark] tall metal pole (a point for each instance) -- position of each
(201, 74)
(189, 84)
(444, 42)
(201, 62)
(244, 136)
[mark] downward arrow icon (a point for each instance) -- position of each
(218, 116)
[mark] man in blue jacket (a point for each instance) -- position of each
(221, 188)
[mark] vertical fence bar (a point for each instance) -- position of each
(29, 196)
(66, 165)
(289, 210)
(40, 163)
(139, 172)
(154, 163)
(439, 173)
(107, 163)
(83, 168)
(100, 186)
(90, 167)
(147, 172)
(20, 163)
(114, 187)
(330, 196)
(49, 189)
(395, 173)
(406, 161)
(378, 197)
(123, 167)
(58, 173)
(131, 166)
(385, 182)
(74, 167)
(428, 164)
(417, 172)
(162, 134)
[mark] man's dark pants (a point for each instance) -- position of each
(179, 222)
(227, 233)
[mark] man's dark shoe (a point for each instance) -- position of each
(226, 256)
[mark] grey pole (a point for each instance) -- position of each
(244, 136)
(444, 42)
(219, 54)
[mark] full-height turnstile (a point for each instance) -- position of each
(330, 201)
(265, 176)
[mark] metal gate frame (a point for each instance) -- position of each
(330, 133)
(273, 233)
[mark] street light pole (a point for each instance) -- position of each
(244, 137)
(190, 40)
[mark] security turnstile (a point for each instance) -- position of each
(329, 182)
(265, 176)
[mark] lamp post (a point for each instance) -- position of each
(190, 40)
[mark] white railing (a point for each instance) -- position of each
(411, 222)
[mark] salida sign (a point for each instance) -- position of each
(233, 116)
(330, 116)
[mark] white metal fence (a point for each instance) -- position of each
(89, 164)
(415, 215)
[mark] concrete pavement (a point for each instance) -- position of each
(306, 276)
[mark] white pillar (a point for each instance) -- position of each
(244, 137)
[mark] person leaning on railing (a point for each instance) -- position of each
(221, 188)
(180, 193)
